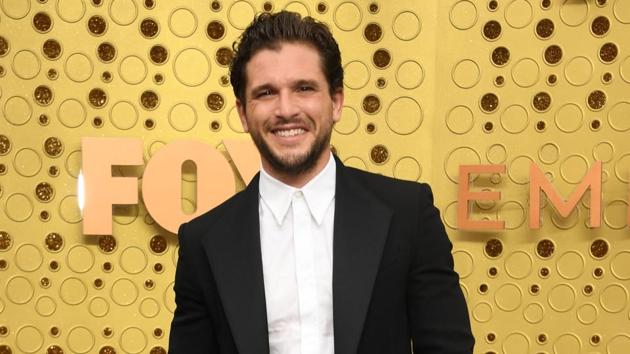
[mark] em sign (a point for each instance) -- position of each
(161, 183)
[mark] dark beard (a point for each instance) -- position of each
(293, 166)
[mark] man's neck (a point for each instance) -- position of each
(298, 180)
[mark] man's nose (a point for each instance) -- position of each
(287, 106)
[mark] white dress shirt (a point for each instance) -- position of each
(296, 236)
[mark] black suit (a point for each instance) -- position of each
(393, 277)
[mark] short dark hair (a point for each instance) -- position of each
(268, 31)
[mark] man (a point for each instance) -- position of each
(312, 257)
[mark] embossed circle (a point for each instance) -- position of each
(133, 260)
(624, 69)
(561, 297)
(460, 120)
(549, 153)
(482, 312)
(406, 26)
(16, 9)
(407, 168)
(19, 290)
(496, 153)
(604, 151)
(569, 117)
(466, 73)
(518, 265)
(508, 297)
(463, 15)
(620, 265)
(516, 343)
(18, 207)
(570, 265)
(17, 110)
(349, 122)
(618, 116)
(26, 64)
(191, 67)
(534, 313)
(460, 156)
(234, 121)
(464, 263)
(70, 11)
(514, 119)
(409, 74)
(72, 291)
(123, 12)
(45, 306)
(526, 72)
(519, 13)
(29, 339)
(123, 115)
(518, 169)
(579, 71)
(587, 313)
(27, 162)
(299, 7)
(133, 340)
(240, 14)
(404, 115)
(356, 75)
(80, 340)
(124, 292)
(574, 168)
(28, 258)
(132, 70)
(567, 343)
(182, 22)
(73, 163)
(574, 12)
(614, 298)
(149, 308)
(71, 113)
(78, 67)
(347, 16)
(80, 259)
(169, 296)
(620, 343)
(183, 117)
(98, 307)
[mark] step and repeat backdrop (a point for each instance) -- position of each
(430, 86)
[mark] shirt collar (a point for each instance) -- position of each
(319, 192)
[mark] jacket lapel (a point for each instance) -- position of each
(234, 254)
(360, 231)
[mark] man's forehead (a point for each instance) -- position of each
(295, 61)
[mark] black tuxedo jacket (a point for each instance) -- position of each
(393, 281)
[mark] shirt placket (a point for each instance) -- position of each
(305, 273)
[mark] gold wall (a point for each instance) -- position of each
(429, 86)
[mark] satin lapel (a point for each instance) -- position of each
(360, 232)
(233, 250)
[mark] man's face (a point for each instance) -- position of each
(289, 110)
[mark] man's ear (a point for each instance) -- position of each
(240, 108)
(337, 102)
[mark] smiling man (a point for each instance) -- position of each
(312, 257)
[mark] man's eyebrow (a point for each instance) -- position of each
(313, 83)
(265, 86)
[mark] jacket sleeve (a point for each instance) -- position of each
(191, 330)
(437, 312)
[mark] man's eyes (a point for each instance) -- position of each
(305, 88)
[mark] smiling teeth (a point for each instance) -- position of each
(290, 132)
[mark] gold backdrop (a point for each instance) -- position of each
(430, 85)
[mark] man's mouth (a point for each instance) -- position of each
(289, 132)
